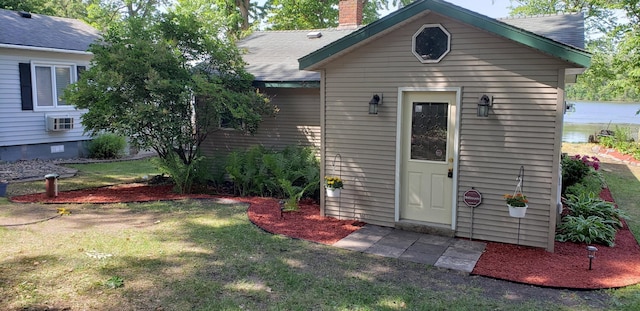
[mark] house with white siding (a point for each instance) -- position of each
(414, 110)
(39, 57)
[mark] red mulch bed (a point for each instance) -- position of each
(568, 265)
(113, 194)
(304, 224)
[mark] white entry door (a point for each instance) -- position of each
(428, 136)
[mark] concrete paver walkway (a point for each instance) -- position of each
(443, 252)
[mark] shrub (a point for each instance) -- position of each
(622, 141)
(184, 176)
(588, 205)
(247, 172)
(291, 173)
(590, 220)
(592, 229)
(107, 146)
(592, 183)
(575, 168)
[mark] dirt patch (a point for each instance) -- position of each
(306, 223)
(81, 217)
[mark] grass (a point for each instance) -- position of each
(624, 183)
(202, 256)
(93, 175)
(197, 255)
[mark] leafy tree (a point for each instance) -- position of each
(33, 6)
(62, 8)
(231, 18)
(309, 14)
(615, 70)
(302, 14)
(143, 79)
(104, 13)
(598, 13)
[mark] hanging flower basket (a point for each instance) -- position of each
(517, 202)
(517, 211)
(333, 193)
(333, 185)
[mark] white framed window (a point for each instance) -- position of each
(431, 43)
(48, 83)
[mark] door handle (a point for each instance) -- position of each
(450, 173)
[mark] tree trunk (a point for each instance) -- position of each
(243, 6)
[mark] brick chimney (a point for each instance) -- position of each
(350, 13)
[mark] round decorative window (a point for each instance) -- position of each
(431, 43)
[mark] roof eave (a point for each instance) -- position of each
(568, 53)
(43, 49)
(287, 84)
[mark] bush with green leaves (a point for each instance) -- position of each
(590, 220)
(247, 172)
(575, 168)
(592, 183)
(291, 173)
(184, 175)
(107, 146)
(622, 141)
(581, 229)
(588, 204)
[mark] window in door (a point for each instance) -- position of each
(429, 131)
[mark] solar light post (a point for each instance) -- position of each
(591, 251)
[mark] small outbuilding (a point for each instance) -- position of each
(416, 109)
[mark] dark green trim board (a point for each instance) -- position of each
(562, 51)
(287, 84)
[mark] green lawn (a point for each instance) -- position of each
(93, 175)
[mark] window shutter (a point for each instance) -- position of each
(80, 70)
(25, 86)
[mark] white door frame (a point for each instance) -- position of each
(401, 92)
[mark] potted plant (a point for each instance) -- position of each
(333, 185)
(517, 204)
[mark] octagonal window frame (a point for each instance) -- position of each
(413, 44)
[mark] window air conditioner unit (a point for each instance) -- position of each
(58, 123)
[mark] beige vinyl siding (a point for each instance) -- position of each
(520, 130)
(296, 123)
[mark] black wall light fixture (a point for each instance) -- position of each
(484, 103)
(374, 102)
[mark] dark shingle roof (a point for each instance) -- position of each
(44, 31)
(273, 55)
(564, 28)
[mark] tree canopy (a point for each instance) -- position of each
(145, 75)
(613, 36)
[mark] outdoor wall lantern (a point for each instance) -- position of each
(484, 103)
(373, 104)
(591, 251)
